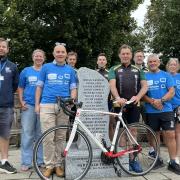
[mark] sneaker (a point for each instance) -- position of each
(7, 168)
(59, 171)
(174, 167)
(152, 154)
(135, 166)
(176, 159)
(48, 172)
(159, 164)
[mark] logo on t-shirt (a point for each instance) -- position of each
(150, 82)
(67, 76)
(32, 78)
(163, 80)
(134, 70)
(52, 76)
(120, 70)
(60, 77)
(8, 70)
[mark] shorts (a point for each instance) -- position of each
(177, 114)
(130, 114)
(164, 120)
(6, 119)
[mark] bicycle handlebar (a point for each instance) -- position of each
(126, 103)
(66, 105)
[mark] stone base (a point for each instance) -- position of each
(75, 159)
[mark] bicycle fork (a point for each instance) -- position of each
(71, 138)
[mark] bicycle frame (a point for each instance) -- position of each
(110, 153)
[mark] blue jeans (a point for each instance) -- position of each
(31, 131)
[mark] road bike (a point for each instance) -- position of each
(130, 142)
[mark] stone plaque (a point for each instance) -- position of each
(93, 91)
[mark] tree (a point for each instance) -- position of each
(163, 28)
(86, 26)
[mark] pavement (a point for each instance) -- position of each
(159, 174)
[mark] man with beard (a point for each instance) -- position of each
(8, 85)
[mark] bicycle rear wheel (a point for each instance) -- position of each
(75, 152)
(137, 163)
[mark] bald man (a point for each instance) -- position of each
(159, 108)
(56, 79)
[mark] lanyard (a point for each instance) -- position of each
(2, 66)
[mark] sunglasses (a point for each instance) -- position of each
(62, 44)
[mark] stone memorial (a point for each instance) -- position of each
(93, 91)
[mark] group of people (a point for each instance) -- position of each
(40, 85)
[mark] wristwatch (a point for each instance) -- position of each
(163, 100)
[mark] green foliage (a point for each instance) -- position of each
(163, 28)
(86, 26)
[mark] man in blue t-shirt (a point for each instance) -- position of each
(31, 129)
(56, 79)
(159, 109)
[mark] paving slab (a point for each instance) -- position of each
(159, 174)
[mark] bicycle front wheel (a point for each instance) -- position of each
(75, 154)
(139, 162)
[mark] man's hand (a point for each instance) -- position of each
(157, 104)
(23, 106)
(121, 101)
(135, 99)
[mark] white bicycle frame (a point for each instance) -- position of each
(78, 122)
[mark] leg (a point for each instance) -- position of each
(47, 118)
(169, 137)
(38, 133)
(4, 147)
(62, 119)
(28, 118)
(168, 125)
(139, 162)
(111, 127)
(177, 133)
(72, 171)
(133, 116)
(6, 118)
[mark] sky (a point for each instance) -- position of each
(140, 13)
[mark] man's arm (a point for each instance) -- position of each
(158, 103)
(74, 93)
(21, 100)
(37, 99)
(169, 95)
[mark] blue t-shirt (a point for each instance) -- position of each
(158, 85)
(176, 99)
(28, 79)
(56, 80)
